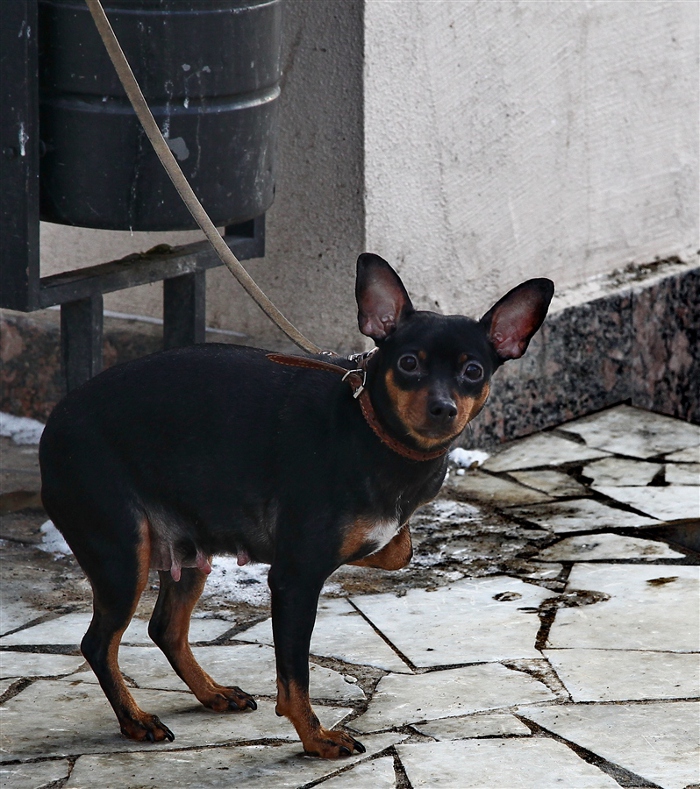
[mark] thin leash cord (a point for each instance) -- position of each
(160, 146)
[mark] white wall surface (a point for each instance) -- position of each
(506, 140)
(473, 143)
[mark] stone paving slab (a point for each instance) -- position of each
(486, 724)
(631, 431)
(479, 620)
(68, 630)
(690, 455)
(54, 718)
(341, 633)
(489, 489)
(674, 502)
(6, 684)
(400, 699)
(657, 741)
(16, 613)
(35, 775)
(650, 608)
(580, 515)
(251, 667)
(542, 449)
(600, 547)
(683, 473)
(554, 483)
(619, 675)
(248, 767)
(378, 774)
(621, 471)
(36, 664)
(528, 763)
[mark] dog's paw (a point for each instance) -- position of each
(332, 744)
(146, 728)
(227, 699)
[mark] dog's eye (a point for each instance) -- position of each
(473, 371)
(408, 363)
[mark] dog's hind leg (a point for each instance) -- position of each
(169, 629)
(118, 576)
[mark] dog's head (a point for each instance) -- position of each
(431, 375)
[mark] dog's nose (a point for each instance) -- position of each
(442, 410)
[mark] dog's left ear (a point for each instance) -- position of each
(512, 321)
(381, 297)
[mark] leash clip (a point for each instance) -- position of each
(361, 388)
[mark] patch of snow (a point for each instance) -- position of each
(20, 429)
(467, 458)
(52, 541)
(229, 583)
(233, 584)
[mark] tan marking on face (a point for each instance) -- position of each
(422, 355)
(468, 408)
(411, 407)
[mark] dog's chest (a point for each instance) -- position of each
(365, 536)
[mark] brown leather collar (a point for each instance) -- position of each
(356, 379)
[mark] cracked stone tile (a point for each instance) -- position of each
(341, 633)
(528, 763)
(632, 431)
(400, 699)
(554, 483)
(541, 449)
(379, 774)
(683, 473)
(70, 629)
(35, 664)
(478, 620)
(579, 515)
(670, 503)
(16, 613)
(6, 684)
(245, 767)
(541, 571)
(33, 775)
(617, 675)
(597, 547)
(690, 455)
(56, 718)
(621, 471)
(487, 724)
(651, 607)
(249, 666)
(487, 489)
(657, 741)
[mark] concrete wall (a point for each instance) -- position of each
(473, 144)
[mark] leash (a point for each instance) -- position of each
(357, 379)
(160, 146)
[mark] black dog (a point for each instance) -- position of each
(165, 461)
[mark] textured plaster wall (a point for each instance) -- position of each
(473, 144)
(511, 139)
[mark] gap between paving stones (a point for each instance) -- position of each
(624, 777)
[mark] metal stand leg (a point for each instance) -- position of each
(184, 310)
(81, 340)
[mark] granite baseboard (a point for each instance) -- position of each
(631, 338)
(636, 341)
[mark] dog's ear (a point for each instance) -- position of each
(512, 321)
(382, 300)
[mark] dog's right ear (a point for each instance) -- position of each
(382, 300)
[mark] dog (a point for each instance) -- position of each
(303, 463)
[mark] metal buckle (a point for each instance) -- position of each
(361, 387)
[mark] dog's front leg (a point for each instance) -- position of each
(295, 590)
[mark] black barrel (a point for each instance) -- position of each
(210, 71)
